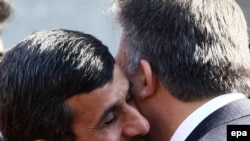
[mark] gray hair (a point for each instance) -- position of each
(198, 48)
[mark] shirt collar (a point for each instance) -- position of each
(190, 123)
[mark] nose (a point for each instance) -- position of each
(135, 124)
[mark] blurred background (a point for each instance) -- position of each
(89, 16)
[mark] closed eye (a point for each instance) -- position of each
(110, 115)
(111, 118)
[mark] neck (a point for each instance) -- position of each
(169, 114)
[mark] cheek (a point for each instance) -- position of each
(114, 133)
(111, 134)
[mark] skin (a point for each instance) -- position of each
(107, 114)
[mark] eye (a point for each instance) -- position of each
(111, 118)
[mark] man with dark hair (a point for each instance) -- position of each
(189, 63)
(62, 85)
(5, 11)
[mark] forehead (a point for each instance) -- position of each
(88, 108)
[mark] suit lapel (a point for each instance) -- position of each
(229, 112)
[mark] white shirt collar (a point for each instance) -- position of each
(190, 123)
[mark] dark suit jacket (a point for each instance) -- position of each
(214, 127)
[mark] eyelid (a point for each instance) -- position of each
(111, 109)
(110, 118)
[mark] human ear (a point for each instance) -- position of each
(149, 80)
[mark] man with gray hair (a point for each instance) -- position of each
(189, 63)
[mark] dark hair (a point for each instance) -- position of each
(198, 49)
(39, 73)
